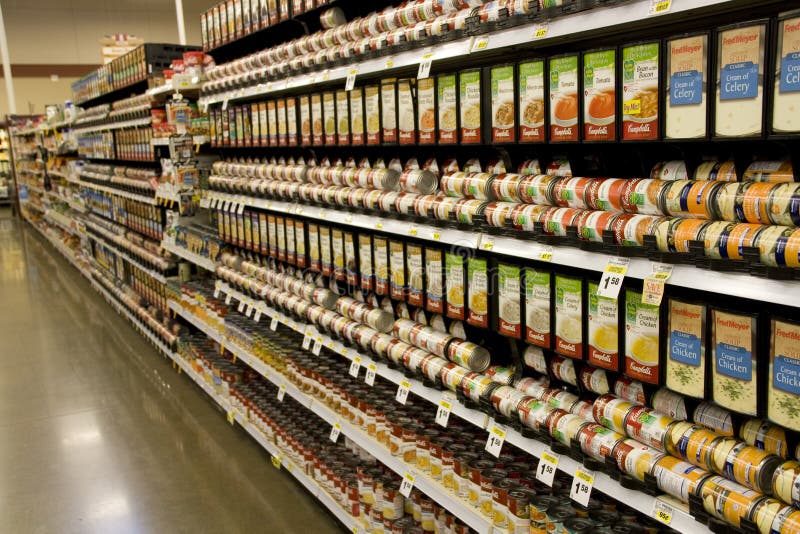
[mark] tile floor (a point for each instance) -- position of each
(98, 433)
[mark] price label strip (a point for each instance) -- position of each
(307, 339)
(662, 511)
(443, 412)
(355, 366)
(281, 392)
(582, 486)
(653, 287)
(350, 83)
(336, 429)
(613, 275)
(407, 484)
(425, 66)
(497, 436)
(546, 471)
(317, 347)
(402, 392)
(540, 30)
(372, 370)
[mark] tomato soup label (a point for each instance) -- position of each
(599, 96)
(564, 99)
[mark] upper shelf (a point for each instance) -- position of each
(786, 293)
(538, 34)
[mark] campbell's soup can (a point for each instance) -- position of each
(690, 199)
(498, 214)
(630, 390)
(648, 426)
(594, 380)
(505, 400)
(678, 478)
(443, 207)
(556, 221)
(590, 225)
(643, 195)
(534, 413)
(570, 192)
(466, 210)
(727, 500)
(538, 189)
(560, 399)
(674, 235)
(670, 403)
(533, 387)
(564, 426)
(605, 194)
(432, 367)
(525, 215)
(423, 205)
(505, 187)
(583, 409)
(636, 459)
(452, 375)
(784, 204)
(597, 441)
(404, 203)
(611, 411)
(691, 443)
(629, 229)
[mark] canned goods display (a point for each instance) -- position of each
(534, 413)
(470, 185)
(594, 380)
(714, 417)
(538, 189)
(678, 478)
(670, 403)
(564, 426)
(786, 482)
(636, 459)
(643, 196)
(691, 443)
(727, 500)
(746, 465)
(690, 199)
(765, 435)
(556, 516)
(611, 412)
(506, 399)
(468, 354)
(675, 235)
(597, 441)
(476, 386)
(779, 246)
(570, 192)
(591, 225)
(560, 399)
(505, 187)
(648, 426)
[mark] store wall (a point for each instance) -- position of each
(52, 32)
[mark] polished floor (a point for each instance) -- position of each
(98, 433)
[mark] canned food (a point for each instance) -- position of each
(563, 369)
(499, 214)
(648, 426)
(578, 525)
(629, 229)
(473, 185)
(590, 225)
(720, 171)
(468, 354)
(690, 199)
(404, 203)
(605, 194)
(418, 181)
(747, 465)
(597, 441)
(432, 367)
(505, 187)
(636, 459)
(583, 409)
(670, 403)
(443, 207)
(505, 400)
(643, 196)
(786, 482)
(765, 435)
(452, 375)
(570, 192)
(691, 443)
(784, 204)
(727, 500)
(611, 412)
(474, 469)
(678, 478)
(564, 426)
(523, 216)
(557, 515)
(766, 512)
(556, 221)
(674, 235)
(465, 210)
(518, 504)
(538, 189)
(594, 380)
(787, 520)
(779, 246)
(476, 386)
(714, 417)
(560, 399)
(538, 507)
(499, 504)
(669, 170)
(769, 171)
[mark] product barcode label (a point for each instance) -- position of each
(497, 436)
(480, 43)
(228, 299)
(582, 485)
(355, 366)
(240, 307)
(540, 31)
(546, 471)
(372, 370)
(407, 484)
(546, 253)
(317, 348)
(257, 316)
(402, 392)
(307, 339)
(613, 275)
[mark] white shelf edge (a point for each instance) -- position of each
(190, 256)
(145, 121)
(112, 191)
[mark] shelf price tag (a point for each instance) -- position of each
(402, 392)
(248, 308)
(425, 66)
(480, 44)
(273, 324)
(613, 275)
(497, 436)
(407, 484)
(239, 209)
(317, 348)
(240, 307)
(487, 245)
(336, 429)
(582, 486)
(540, 30)
(217, 290)
(659, 7)
(355, 366)
(231, 417)
(546, 253)
(443, 412)
(259, 311)
(224, 104)
(546, 471)
(307, 338)
(372, 370)
(351, 80)
(281, 392)
(276, 461)
(653, 288)
(662, 511)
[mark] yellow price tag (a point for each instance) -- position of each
(379, 226)
(549, 458)
(389, 63)
(616, 269)
(412, 231)
(659, 7)
(489, 245)
(437, 236)
(231, 417)
(540, 33)
(276, 462)
(586, 477)
(662, 511)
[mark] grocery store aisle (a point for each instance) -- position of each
(100, 434)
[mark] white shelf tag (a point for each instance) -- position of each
(336, 429)
(548, 464)
(497, 436)
(407, 484)
(582, 486)
(350, 83)
(257, 316)
(662, 511)
(443, 412)
(613, 275)
(402, 392)
(653, 288)
(355, 366)
(372, 370)
(425, 66)
(317, 348)
(273, 325)
(307, 338)
(281, 392)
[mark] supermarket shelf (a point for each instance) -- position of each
(571, 26)
(724, 283)
(434, 490)
(66, 252)
(127, 257)
(55, 218)
(681, 519)
(315, 489)
(176, 85)
(125, 194)
(144, 121)
(188, 255)
(164, 141)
